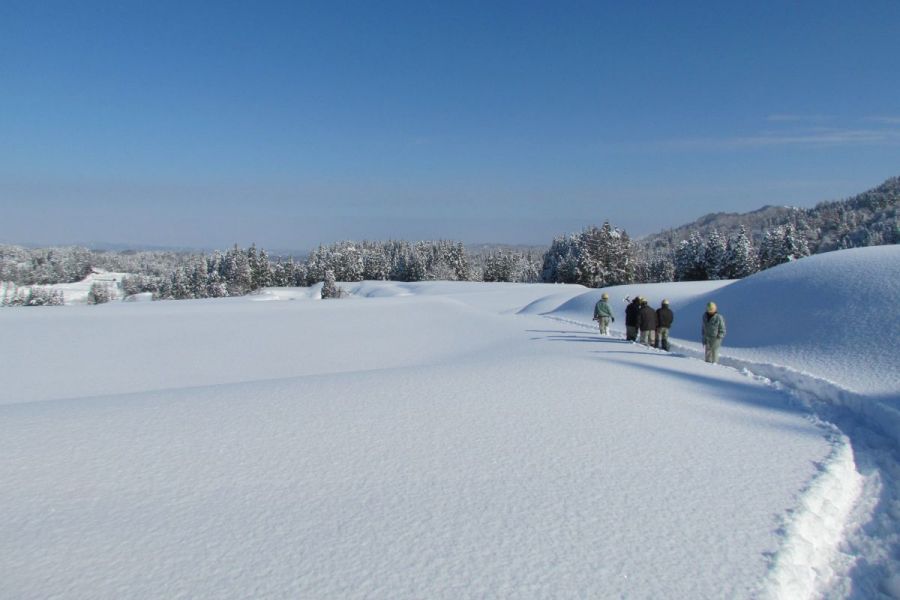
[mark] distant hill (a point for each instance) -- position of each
(867, 219)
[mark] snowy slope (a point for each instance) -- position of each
(831, 315)
(827, 320)
(437, 440)
(823, 328)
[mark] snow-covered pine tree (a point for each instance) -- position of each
(376, 264)
(690, 259)
(661, 268)
(592, 251)
(780, 245)
(181, 284)
(99, 293)
(39, 296)
(198, 280)
(348, 262)
(621, 264)
(215, 285)
(502, 266)
(5, 288)
(411, 265)
(553, 258)
(236, 272)
(715, 256)
(316, 265)
(568, 270)
(260, 268)
(793, 244)
(330, 288)
(742, 259)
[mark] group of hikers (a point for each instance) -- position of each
(652, 325)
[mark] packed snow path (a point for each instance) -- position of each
(433, 444)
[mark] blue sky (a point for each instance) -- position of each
(291, 124)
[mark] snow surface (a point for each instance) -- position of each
(448, 440)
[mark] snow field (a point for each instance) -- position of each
(464, 480)
(450, 440)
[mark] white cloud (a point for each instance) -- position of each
(886, 132)
(794, 118)
(884, 120)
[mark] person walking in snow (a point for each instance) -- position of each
(713, 332)
(664, 319)
(647, 323)
(631, 319)
(603, 314)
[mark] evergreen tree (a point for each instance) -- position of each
(502, 266)
(780, 245)
(661, 268)
(793, 243)
(198, 283)
(181, 284)
(376, 264)
(215, 285)
(330, 288)
(260, 268)
(236, 272)
(715, 256)
(568, 270)
(99, 293)
(742, 259)
(690, 259)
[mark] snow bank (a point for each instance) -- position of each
(831, 315)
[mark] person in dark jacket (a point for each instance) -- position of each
(664, 319)
(631, 319)
(647, 323)
(603, 314)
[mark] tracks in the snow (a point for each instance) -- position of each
(843, 541)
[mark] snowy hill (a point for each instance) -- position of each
(829, 315)
(456, 439)
(866, 219)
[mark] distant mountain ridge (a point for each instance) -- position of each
(867, 219)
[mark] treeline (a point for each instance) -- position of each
(43, 266)
(715, 247)
(238, 271)
(605, 256)
(13, 295)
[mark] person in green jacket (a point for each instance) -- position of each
(713, 332)
(603, 314)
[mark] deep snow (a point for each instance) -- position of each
(436, 440)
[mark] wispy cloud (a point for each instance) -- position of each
(795, 118)
(884, 120)
(819, 137)
(879, 131)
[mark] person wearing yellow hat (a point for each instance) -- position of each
(713, 332)
(603, 314)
